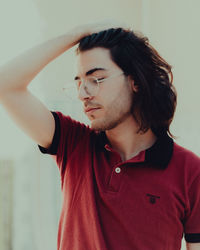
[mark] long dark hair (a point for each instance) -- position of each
(155, 101)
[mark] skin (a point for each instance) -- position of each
(113, 103)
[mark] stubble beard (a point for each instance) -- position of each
(116, 113)
(111, 119)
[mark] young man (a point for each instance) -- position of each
(126, 184)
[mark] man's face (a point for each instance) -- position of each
(112, 104)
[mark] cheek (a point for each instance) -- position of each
(110, 95)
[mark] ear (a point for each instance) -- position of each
(133, 85)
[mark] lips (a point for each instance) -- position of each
(91, 109)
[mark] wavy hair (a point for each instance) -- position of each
(155, 101)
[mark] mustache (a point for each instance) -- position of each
(91, 105)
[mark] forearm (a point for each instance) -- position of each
(20, 71)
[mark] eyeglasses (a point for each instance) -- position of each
(91, 84)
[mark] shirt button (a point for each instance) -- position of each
(117, 170)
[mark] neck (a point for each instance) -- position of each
(127, 142)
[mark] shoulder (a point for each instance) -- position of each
(66, 121)
(187, 159)
(185, 154)
(69, 126)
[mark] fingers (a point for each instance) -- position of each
(90, 28)
(87, 29)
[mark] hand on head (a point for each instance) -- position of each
(90, 28)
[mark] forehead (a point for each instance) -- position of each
(95, 58)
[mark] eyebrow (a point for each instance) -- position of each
(91, 71)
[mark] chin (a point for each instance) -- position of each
(102, 125)
(97, 126)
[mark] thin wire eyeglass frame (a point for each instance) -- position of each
(90, 81)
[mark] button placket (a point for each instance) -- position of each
(115, 179)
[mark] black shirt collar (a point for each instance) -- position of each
(158, 155)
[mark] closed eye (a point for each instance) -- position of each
(95, 80)
(101, 79)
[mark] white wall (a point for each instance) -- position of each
(173, 28)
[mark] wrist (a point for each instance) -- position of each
(78, 33)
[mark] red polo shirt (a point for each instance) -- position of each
(146, 203)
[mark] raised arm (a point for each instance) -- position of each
(23, 107)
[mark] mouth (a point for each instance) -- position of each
(90, 110)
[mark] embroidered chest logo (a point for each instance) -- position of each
(152, 198)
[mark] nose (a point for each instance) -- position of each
(83, 93)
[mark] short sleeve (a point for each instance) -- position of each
(68, 135)
(52, 150)
(192, 221)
